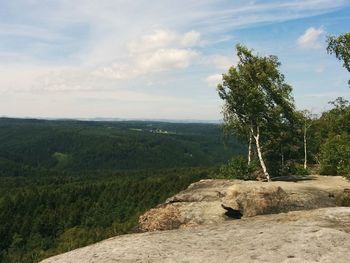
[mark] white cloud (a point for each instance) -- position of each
(162, 39)
(158, 39)
(115, 71)
(67, 80)
(311, 38)
(191, 38)
(152, 62)
(165, 59)
(221, 62)
(160, 51)
(214, 80)
(21, 77)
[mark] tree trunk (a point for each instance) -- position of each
(250, 149)
(305, 152)
(258, 148)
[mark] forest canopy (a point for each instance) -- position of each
(67, 184)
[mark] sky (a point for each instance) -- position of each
(159, 59)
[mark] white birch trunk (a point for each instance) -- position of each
(305, 152)
(258, 148)
(250, 149)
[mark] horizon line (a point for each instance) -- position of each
(115, 119)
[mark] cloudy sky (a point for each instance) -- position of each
(158, 59)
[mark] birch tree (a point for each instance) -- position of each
(252, 91)
(307, 119)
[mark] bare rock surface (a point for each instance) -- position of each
(320, 235)
(201, 203)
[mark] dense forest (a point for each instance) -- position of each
(66, 184)
(72, 146)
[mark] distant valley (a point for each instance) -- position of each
(69, 183)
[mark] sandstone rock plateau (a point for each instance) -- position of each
(201, 203)
(205, 234)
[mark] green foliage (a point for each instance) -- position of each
(66, 184)
(35, 146)
(254, 90)
(330, 140)
(340, 46)
(43, 216)
(63, 160)
(335, 155)
(298, 169)
(238, 168)
(258, 103)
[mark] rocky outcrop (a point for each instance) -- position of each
(320, 235)
(203, 232)
(204, 202)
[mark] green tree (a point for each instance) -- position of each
(340, 46)
(335, 155)
(305, 119)
(253, 92)
(332, 131)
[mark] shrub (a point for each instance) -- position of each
(298, 169)
(237, 168)
(335, 155)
